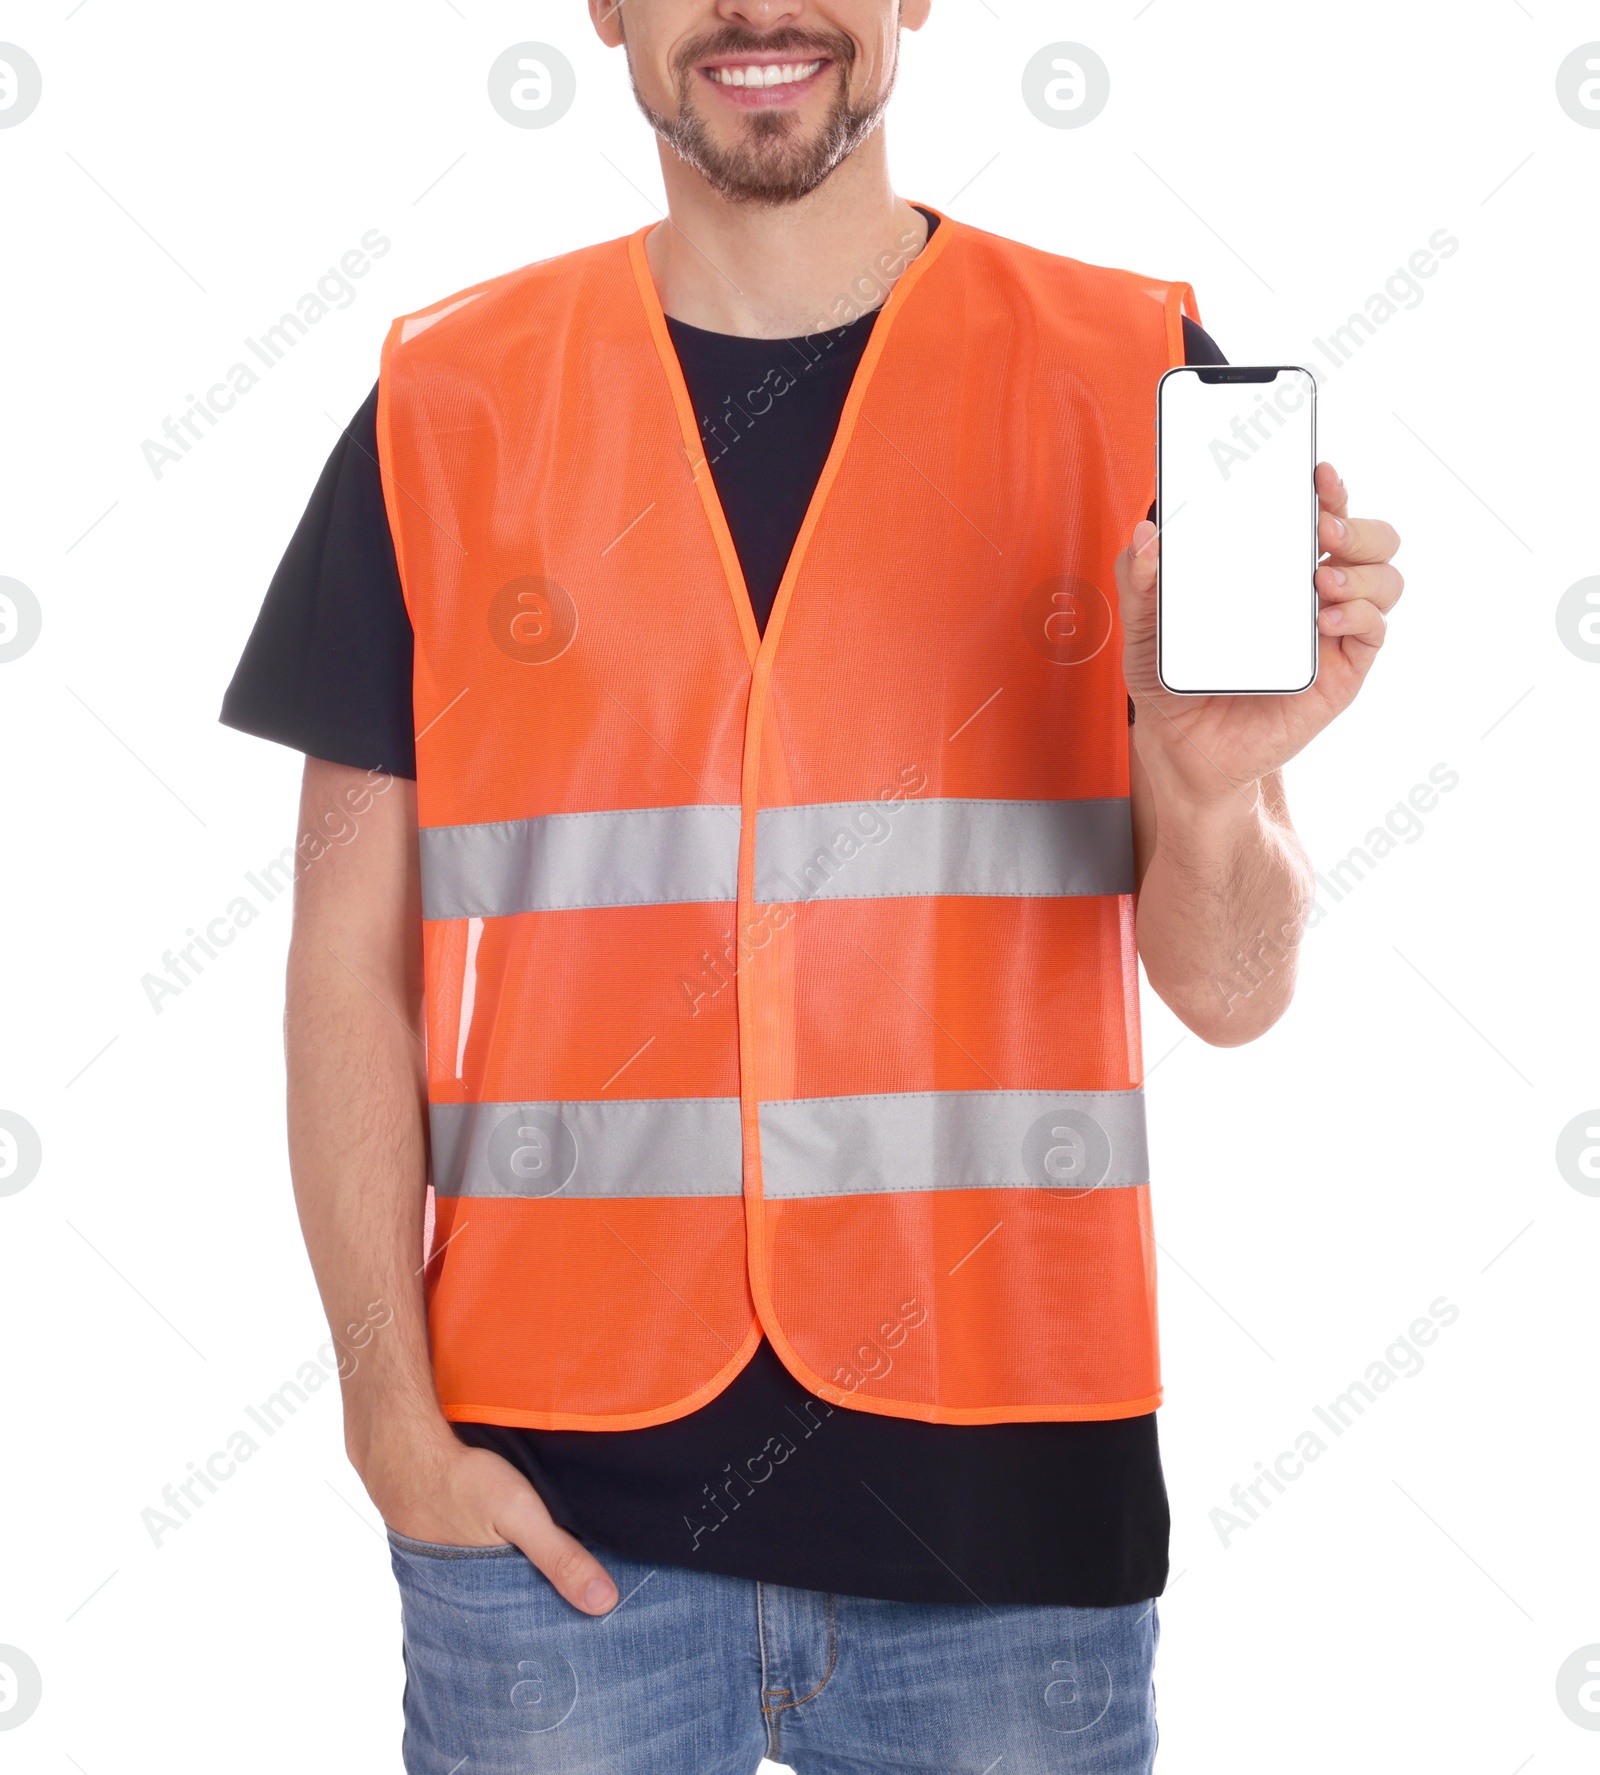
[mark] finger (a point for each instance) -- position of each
(1380, 585)
(1355, 621)
(574, 1571)
(1358, 540)
(1331, 490)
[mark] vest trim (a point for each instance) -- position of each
(866, 850)
(647, 856)
(1064, 1141)
(814, 1147)
(666, 1146)
(842, 850)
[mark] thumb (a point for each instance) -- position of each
(571, 1568)
(1136, 565)
(1136, 578)
(1141, 556)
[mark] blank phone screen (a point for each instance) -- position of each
(1237, 506)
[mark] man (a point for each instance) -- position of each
(764, 1003)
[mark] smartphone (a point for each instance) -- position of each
(1236, 502)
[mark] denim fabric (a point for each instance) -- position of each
(697, 1674)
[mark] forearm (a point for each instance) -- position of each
(1222, 905)
(356, 1130)
(358, 1151)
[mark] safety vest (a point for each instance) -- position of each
(782, 984)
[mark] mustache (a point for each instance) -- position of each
(805, 46)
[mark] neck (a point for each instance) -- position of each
(781, 273)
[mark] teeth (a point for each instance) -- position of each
(765, 74)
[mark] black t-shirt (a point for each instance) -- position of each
(767, 1481)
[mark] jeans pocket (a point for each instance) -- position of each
(445, 1550)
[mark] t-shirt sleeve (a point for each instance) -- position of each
(1198, 348)
(1198, 345)
(327, 668)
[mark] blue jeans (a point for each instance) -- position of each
(695, 1674)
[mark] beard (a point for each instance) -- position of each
(775, 162)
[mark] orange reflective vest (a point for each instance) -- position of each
(781, 984)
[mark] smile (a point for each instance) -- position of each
(763, 74)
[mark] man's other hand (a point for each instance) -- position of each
(432, 1487)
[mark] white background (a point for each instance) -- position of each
(192, 169)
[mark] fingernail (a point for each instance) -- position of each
(1338, 575)
(598, 1594)
(1333, 618)
(1338, 524)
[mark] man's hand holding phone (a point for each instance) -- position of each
(1213, 744)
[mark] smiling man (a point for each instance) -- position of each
(748, 621)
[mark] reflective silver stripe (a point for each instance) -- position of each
(842, 850)
(928, 1140)
(659, 1146)
(815, 1146)
(649, 856)
(860, 850)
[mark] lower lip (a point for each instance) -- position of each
(766, 98)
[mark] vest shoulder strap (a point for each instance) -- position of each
(1065, 286)
(530, 291)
